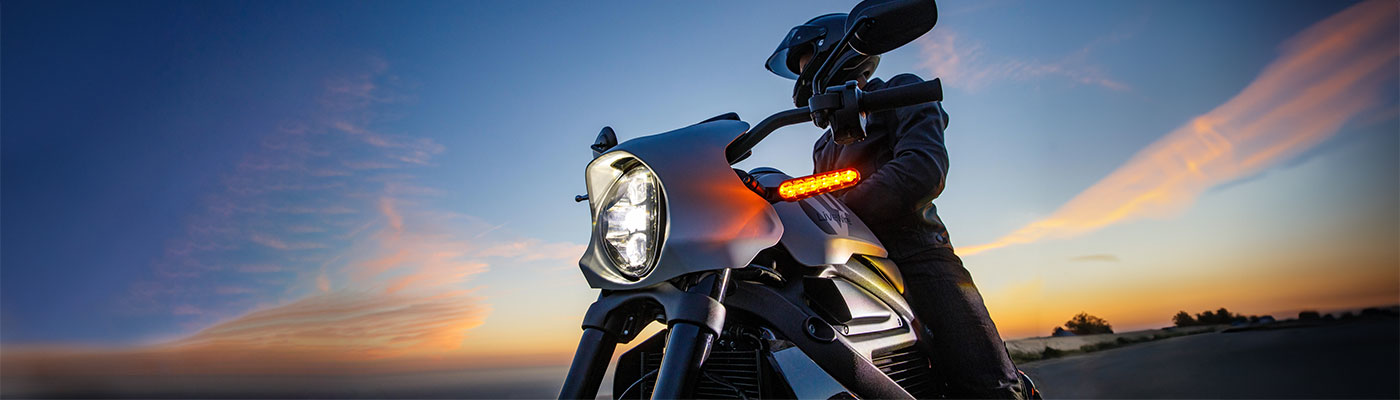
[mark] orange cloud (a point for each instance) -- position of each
(348, 326)
(405, 309)
(380, 282)
(1329, 74)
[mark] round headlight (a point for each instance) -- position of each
(630, 222)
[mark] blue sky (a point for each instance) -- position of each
(172, 167)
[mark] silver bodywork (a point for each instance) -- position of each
(823, 233)
(819, 230)
(713, 221)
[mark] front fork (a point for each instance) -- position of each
(694, 318)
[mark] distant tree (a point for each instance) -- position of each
(1224, 316)
(1085, 324)
(1309, 315)
(1183, 318)
(1254, 319)
(1205, 318)
(1374, 312)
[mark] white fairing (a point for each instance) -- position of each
(712, 221)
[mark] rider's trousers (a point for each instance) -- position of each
(968, 351)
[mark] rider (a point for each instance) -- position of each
(903, 163)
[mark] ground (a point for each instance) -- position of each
(1341, 360)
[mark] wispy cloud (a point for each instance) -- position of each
(228, 290)
(1327, 75)
(322, 253)
(400, 303)
(965, 63)
(351, 326)
(279, 244)
(1096, 258)
(534, 249)
(260, 268)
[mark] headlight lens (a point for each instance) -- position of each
(631, 222)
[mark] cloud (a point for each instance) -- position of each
(533, 250)
(348, 326)
(1332, 72)
(305, 229)
(367, 275)
(386, 206)
(410, 150)
(961, 63)
(279, 244)
(300, 192)
(323, 283)
(260, 268)
(1096, 258)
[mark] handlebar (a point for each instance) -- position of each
(901, 96)
(879, 100)
(741, 145)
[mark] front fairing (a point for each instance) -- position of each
(712, 220)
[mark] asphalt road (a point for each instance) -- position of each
(1358, 359)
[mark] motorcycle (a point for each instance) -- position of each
(769, 287)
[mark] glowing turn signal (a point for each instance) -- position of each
(800, 188)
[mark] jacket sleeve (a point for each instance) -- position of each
(915, 174)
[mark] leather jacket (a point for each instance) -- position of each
(902, 164)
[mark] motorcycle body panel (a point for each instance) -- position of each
(712, 221)
(819, 230)
(844, 283)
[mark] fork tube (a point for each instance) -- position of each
(591, 359)
(688, 345)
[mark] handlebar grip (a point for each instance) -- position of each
(901, 96)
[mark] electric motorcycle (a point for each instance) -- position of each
(769, 287)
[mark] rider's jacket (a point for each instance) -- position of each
(902, 164)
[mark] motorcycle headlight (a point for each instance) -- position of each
(630, 222)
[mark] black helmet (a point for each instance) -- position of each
(818, 37)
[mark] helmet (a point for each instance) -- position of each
(818, 37)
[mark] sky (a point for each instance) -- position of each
(322, 188)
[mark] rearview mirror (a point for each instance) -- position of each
(607, 139)
(884, 25)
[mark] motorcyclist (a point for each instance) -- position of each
(903, 163)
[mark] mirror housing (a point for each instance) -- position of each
(606, 140)
(884, 25)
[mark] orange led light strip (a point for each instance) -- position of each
(826, 182)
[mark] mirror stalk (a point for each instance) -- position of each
(822, 78)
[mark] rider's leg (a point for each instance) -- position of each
(968, 351)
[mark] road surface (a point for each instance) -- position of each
(1359, 359)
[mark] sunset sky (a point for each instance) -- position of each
(311, 188)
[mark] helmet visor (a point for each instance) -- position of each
(800, 40)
